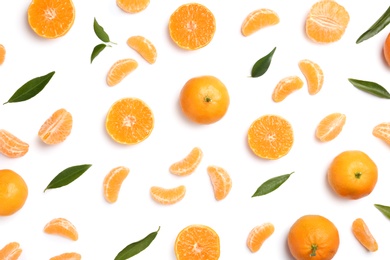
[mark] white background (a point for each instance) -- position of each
(80, 87)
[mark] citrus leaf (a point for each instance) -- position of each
(271, 185)
(370, 87)
(262, 65)
(378, 26)
(67, 176)
(31, 88)
(136, 247)
(98, 49)
(384, 209)
(99, 31)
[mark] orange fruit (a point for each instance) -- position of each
(326, 21)
(132, 6)
(258, 235)
(129, 121)
(386, 50)
(330, 127)
(313, 74)
(144, 47)
(120, 70)
(270, 137)
(67, 256)
(197, 242)
(192, 26)
(13, 192)
(352, 174)
(57, 127)
(12, 146)
(10, 251)
(382, 131)
(221, 181)
(257, 20)
(204, 99)
(168, 196)
(61, 227)
(188, 164)
(113, 181)
(51, 18)
(2, 54)
(313, 237)
(363, 235)
(285, 87)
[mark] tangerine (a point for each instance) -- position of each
(13, 192)
(386, 50)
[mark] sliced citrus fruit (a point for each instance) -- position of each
(188, 164)
(57, 127)
(119, 70)
(192, 26)
(51, 18)
(10, 251)
(144, 47)
(2, 54)
(313, 74)
(132, 6)
(326, 21)
(197, 242)
(61, 227)
(258, 235)
(270, 137)
(113, 182)
(382, 131)
(285, 87)
(330, 127)
(221, 181)
(129, 121)
(67, 256)
(168, 196)
(257, 20)
(12, 146)
(363, 235)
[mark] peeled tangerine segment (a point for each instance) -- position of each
(363, 235)
(12, 146)
(382, 131)
(313, 74)
(61, 227)
(257, 20)
(285, 87)
(168, 196)
(57, 127)
(144, 47)
(258, 235)
(330, 127)
(188, 164)
(10, 251)
(119, 70)
(221, 181)
(113, 182)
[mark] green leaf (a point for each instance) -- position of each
(67, 176)
(271, 185)
(262, 65)
(136, 247)
(30, 88)
(99, 31)
(370, 87)
(378, 26)
(384, 209)
(98, 49)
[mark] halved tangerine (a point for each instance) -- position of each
(144, 47)
(133, 6)
(330, 127)
(258, 235)
(10, 251)
(57, 127)
(188, 164)
(363, 235)
(12, 146)
(120, 70)
(168, 196)
(113, 181)
(313, 74)
(61, 227)
(257, 20)
(221, 181)
(285, 87)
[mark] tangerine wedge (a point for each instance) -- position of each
(258, 235)
(11, 251)
(133, 6)
(313, 74)
(144, 47)
(61, 227)
(113, 182)
(57, 127)
(259, 19)
(330, 127)
(221, 181)
(2, 54)
(168, 196)
(285, 87)
(363, 235)
(382, 131)
(12, 146)
(119, 70)
(67, 256)
(187, 165)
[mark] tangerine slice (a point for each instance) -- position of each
(330, 127)
(113, 182)
(2, 54)
(313, 74)
(270, 137)
(10, 251)
(258, 235)
(119, 70)
(363, 235)
(168, 196)
(132, 6)
(382, 131)
(57, 127)
(192, 26)
(12, 146)
(285, 87)
(67, 256)
(61, 227)
(187, 165)
(144, 47)
(129, 121)
(221, 181)
(259, 19)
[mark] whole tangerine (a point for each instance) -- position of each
(204, 99)
(386, 49)
(13, 192)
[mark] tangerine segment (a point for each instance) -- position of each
(129, 121)
(51, 18)
(57, 127)
(187, 165)
(2, 54)
(257, 20)
(119, 70)
(61, 227)
(258, 235)
(197, 242)
(132, 6)
(192, 26)
(363, 235)
(382, 131)
(326, 21)
(12, 146)
(10, 251)
(168, 196)
(221, 181)
(270, 137)
(144, 47)
(313, 74)
(67, 256)
(113, 182)
(330, 127)
(285, 87)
